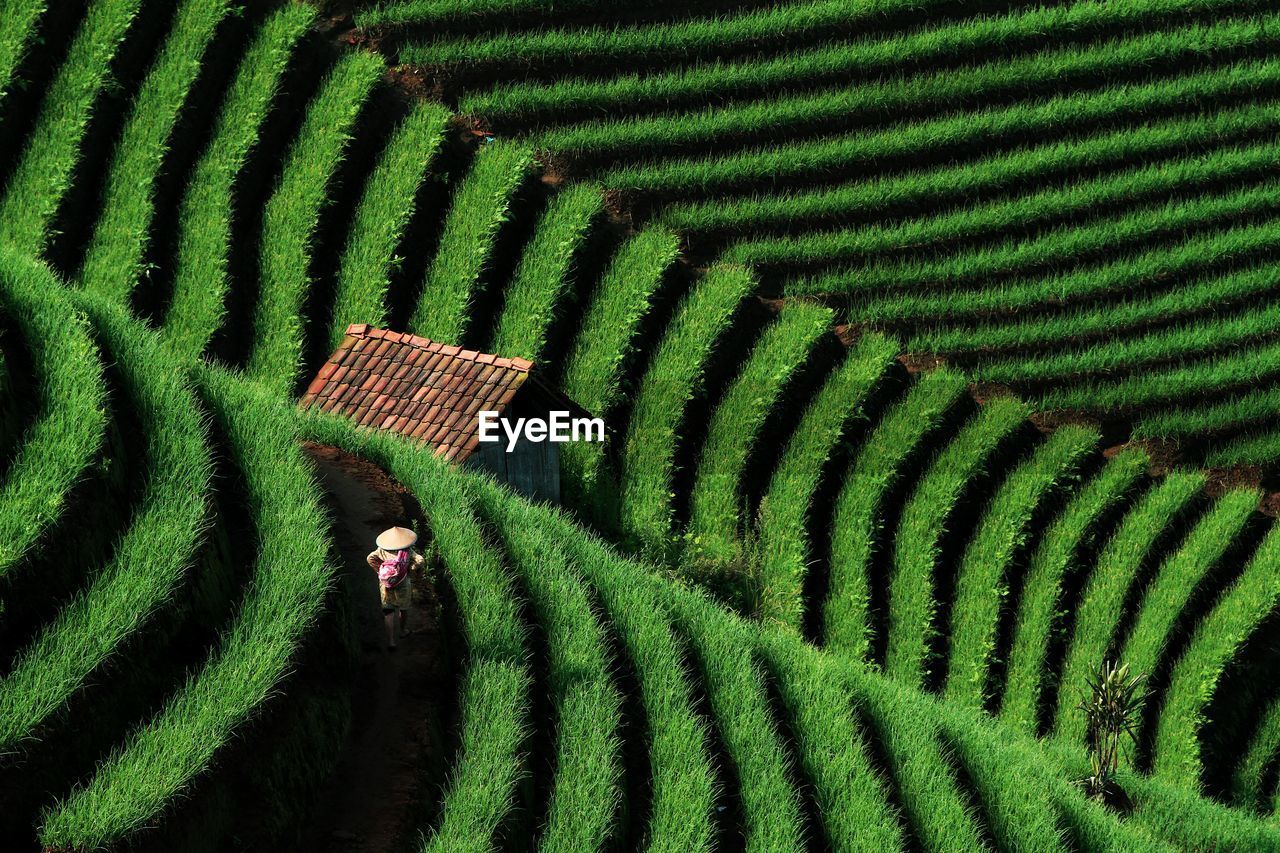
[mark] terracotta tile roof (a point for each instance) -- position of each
(420, 388)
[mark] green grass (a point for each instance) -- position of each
(123, 597)
(387, 202)
(985, 571)
(1099, 613)
(796, 114)
(1062, 246)
(1057, 557)
(776, 164)
(43, 172)
(739, 699)
(1214, 642)
(912, 603)
(1262, 448)
(480, 206)
(113, 260)
(70, 424)
(292, 214)
(1180, 576)
(698, 83)
(593, 370)
(201, 280)
(21, 17)
(1249, 778)
(714, 525)
(850, 793)
(587, 785)
(483, 784)
(1145, 270)
(996, 172)
(148, 773)
(703, 36)
(1234, 369)
(998, 217)
(856, 522)
(921, 766)
(1248, 409)
(784, 510)
(543, 279)
(672, 380)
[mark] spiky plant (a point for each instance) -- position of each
(1111, 703)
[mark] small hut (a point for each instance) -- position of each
(435, 393)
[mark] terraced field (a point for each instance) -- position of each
(1072, 200)
(805, 598)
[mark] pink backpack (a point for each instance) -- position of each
(394, 570)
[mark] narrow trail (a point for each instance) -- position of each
(373, 801)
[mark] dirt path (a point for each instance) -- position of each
(373, 800)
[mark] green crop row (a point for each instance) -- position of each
(995, 218)
(680, 770)
(784, 509)
(71, 405)
(1147, 269)
(1175, 345)
(1099, 613)
(739, 699)
(113, 260)
(708, 36)
(429, 13)
(1252, 598)
(998, 171)
(387, 202)
(1170, 384)
(1216, 292)
(673, 378)
(43, 173)
(713, 530)
(1249, 778)
(20, 18)
(593, 371)
(292, 572)
(789, 114)
(856, 522)
(292, 214)
(1057, 558)
(982, 578)
(1253, 408)
(1180, 575)
(920, 764)
(1261, 448)
(587, 787)
(776, 164)
(123, 596)
(467, 243)
(543, 279)
(1066, 245)
(699, 83)
(912, 603)
(201, 280)
(851, 795)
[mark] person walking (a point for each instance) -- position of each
(392, 560)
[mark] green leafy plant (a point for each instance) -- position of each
(1110, 704)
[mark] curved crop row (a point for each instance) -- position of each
(146, 775)
(784, 508)
(71, 423)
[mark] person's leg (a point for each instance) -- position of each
(404, 619)
(390, 618)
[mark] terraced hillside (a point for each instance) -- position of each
(803, 599)
(1071, 199)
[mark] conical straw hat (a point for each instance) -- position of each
(396, 538)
